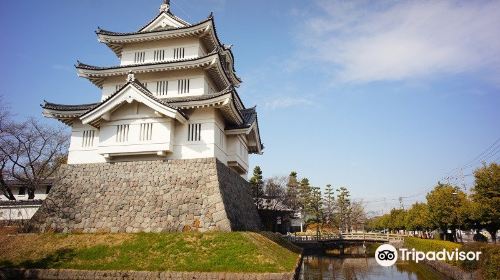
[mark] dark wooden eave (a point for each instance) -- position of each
(97, 74)
(68, 113)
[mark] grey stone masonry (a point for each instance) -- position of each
(148, 196)
(69, 274)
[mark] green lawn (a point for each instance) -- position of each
(214, 251)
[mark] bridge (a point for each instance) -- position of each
(348, 236)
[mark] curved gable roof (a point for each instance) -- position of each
(132, 91)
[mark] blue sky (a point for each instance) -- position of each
(383, 97)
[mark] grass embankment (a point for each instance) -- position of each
(489, 260)
(208, 252)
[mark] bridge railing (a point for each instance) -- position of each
(366, 236)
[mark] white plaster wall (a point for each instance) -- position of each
(237, 150)
(199, 83)
(13, 213)
(79, 154)
(168, 135)
(220, 138)
(134, 115)
(105, 140)
(191, 49)
(184, 149)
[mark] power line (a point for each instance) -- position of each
(486, 154)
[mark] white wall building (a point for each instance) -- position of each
(173, 96)
(22, 208)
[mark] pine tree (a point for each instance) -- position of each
(257, 184)
(344, 208)
(329, 206)
(314, 206)
(304, 193)
(292, 191)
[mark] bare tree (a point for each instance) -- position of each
(275, 192)
(5, 123)
(30, 153)
(357, 215)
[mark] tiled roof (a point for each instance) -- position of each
(112, 33)
(64, 107)
(210, 18)
(199, 97)
(249, 116)
(170, 14)
(230, 76)
(145, 91)
(32, 202)
(81, 65)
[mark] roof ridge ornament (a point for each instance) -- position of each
(165, 6)
(130, 77)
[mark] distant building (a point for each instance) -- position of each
(278, 217)
(173, 96)
(22, 208)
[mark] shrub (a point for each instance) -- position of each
(470, 265)
(426, 245)
(489, 260)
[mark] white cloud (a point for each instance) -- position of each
(364, 41)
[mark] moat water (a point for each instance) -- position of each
(326, 267)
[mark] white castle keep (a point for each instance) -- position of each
(173, 96)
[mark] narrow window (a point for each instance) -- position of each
(161, 88)
(88, 138)
(139, 57)
(122, 133)
(179, 53)
(146, 132)
(183, 86)
(22, 191)
(159, 55)
(47, 190)
(194, 132)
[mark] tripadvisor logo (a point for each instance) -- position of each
(387, 255)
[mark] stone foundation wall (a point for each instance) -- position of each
(148, 196)
(68, 274)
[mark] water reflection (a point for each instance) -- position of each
(330, 267)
